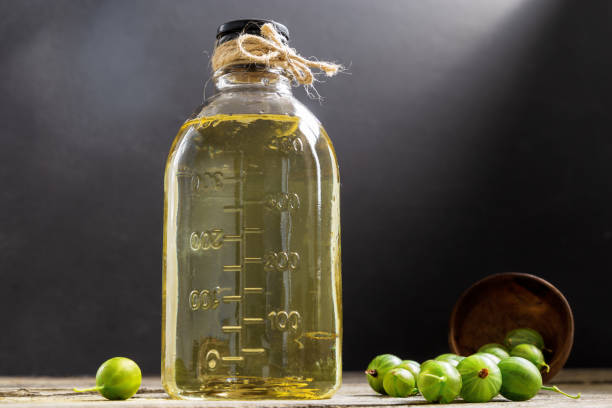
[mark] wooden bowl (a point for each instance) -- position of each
(499, 303)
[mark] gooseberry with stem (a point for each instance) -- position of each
(521, 380)
(531, 353)
(117, 379)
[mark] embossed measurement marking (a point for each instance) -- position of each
(204, 299)
(203, 241)
(281, 261)
(284, 321)
(231, 209)
(253, 290)
(286, 144)
(253, 350)
(252, 320)
(232, 359)
(231, 329)
(207, 182)
(282, 201)
(212, 359)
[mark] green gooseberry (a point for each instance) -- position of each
(377, 369)
(399, 382)
(439, 381)
(426, 362)
(413, 366)
(117, 379)
(521, 380)
(481, 378)
(423, 365)
(451, 358)
(531, 353)
(496, 349)
(490, 356)
(522, 336)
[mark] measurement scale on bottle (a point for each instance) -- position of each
(213, 182)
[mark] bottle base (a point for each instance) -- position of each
(254, 388)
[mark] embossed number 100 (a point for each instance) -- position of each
(204, 299)
(285, 321)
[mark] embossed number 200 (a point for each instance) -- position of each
(211, 239)
(281, 261)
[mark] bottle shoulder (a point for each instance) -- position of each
(254, 102)
(271, 120)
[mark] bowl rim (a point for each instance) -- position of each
(561, 358)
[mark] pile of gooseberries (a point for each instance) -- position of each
(511, 369)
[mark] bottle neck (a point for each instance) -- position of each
(252, 77)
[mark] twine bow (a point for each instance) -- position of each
(269, 49)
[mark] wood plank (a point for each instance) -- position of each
(26, 392)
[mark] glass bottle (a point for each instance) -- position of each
(251, 254)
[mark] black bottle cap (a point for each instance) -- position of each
(233, 29)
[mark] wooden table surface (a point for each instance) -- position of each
(594, 384)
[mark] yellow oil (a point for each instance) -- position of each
(251, 295)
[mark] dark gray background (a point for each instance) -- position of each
(474, 137)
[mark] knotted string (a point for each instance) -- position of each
(270, 50)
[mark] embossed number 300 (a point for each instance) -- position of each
(207, 182)
(287, 144)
